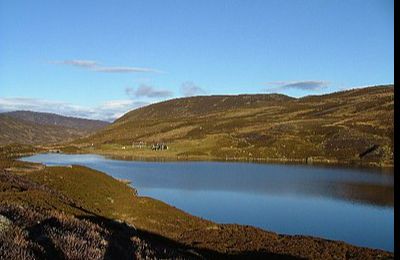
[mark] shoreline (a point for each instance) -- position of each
(213, 236)
(300, 236)
(131, 182)
(310, 161)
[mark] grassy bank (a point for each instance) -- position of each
(177, 153)
(44, 204)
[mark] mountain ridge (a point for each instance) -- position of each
(351, 125)
(44, 118)
(27, 127)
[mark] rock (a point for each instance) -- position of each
(4, 223)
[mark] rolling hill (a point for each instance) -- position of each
(75, 212)
(348, 126)
(26, 127)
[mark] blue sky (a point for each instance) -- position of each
(99, 59)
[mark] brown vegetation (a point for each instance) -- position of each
(26, 127)
(75, 212)
(354, 126)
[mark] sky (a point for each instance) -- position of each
(99, 59)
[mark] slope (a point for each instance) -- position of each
(41, 118)
(27, 127)
(348, 126)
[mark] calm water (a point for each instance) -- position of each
(353, 205)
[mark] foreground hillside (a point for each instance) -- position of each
(79, 213)
(26, 127)
(354, 126)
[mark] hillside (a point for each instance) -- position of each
(76, 212)
(26, 127)
(348, 126)
(40, 118)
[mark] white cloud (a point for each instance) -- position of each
(188, 89)
(307, 85)
(77, 63)
(113, 104)
(98, 67)
(124, 69)
(149, 91)
(108, 111)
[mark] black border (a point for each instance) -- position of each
(396, 119)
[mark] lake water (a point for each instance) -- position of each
(352, 205)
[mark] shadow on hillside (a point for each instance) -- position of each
(37, 233)
(48, 234)
(121, 247)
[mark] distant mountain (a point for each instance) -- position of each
(40, 118)
(356, 124)
(26, 127)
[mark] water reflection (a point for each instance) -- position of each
(354, 205)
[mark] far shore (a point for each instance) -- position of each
(193, 232)
(167, 155)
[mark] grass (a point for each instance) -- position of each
(110, 198)
(36, 128)
(74, 212)
(333, 128)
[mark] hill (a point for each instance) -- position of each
(76, 212)
(349, 126)
(26, 127)
(40, 118)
